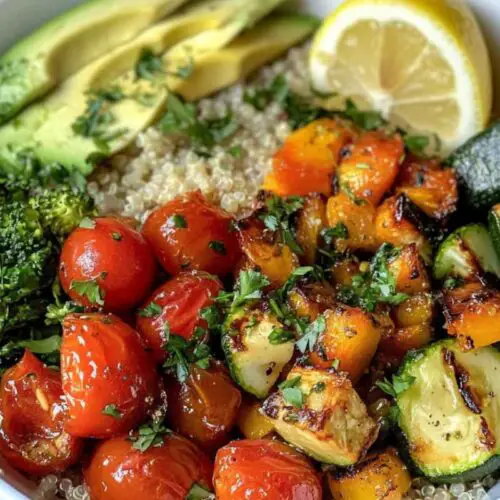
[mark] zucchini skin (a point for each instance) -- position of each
(477, 163)
(476, 472)
(494, 227)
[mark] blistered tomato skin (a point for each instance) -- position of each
(179, 302)
(33, 414)
(113, 255)
(109, 378)
(190, 233)
(264, 469)
(117, 471)
(205, 407)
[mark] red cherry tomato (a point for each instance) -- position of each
(109, 261)
(32, 415)
(109, 379)
(117, 471)
(190, 233)
(205, 407)
(255, 469)
(178, 303)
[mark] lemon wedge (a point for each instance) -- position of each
(422, 63)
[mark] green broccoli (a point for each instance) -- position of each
(62, 209)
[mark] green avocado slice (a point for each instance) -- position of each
(39, 62)
(46, 128)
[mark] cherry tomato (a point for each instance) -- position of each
(108, 263)
(109, 379)
(205, 407)
(254, 469)
(117, 471)
(32, 416)
(178, 303)
(190, 233)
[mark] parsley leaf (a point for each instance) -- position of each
(151, 310)
(377, 285)
(339, 231)
(368, 120)
(184, 72)
(181, 118)
(197, 492)
(217, 247)
(112, 410)
(277, 217)
(291, 393)
(116, 236)
(416, 144)
(249, 287)
(89, 289)
(235, 151)
(148, 66)
(400, 384)
(280, 336)
(179, 221)
(310, 337)
(149, 435)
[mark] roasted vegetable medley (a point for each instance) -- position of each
(334, 342)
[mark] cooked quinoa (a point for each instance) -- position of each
(160, 168)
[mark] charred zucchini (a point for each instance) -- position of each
(448, 410)
(319, 412)
(254, 350)
(466, 253)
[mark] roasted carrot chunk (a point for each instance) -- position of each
(391, 226)
(358, 217)
(429, 186)
(307, 161)
(349, 340)
(472, 314)
(312, 299)
(371, 168)
(409, 271)
(311, 220)
(416, 310)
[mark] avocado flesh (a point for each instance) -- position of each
(450, 434)
(45, 128)
(39, 62)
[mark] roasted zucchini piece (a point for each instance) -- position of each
(254, 360)
(494, 227)
(371, 165)
(472, 314)
(391, 226)
(448, 410)
(381, 476)
(466, 253)
(319, 412)
(349, 340)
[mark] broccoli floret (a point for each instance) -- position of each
(62, 209)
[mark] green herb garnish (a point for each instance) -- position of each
(151, 310)
(217, 247)
(112, 410)
(308, 340)
(89, 289)
(149, 435)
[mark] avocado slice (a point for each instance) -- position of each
(46, 128)
(39, 62)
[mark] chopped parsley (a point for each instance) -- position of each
(97, 118)
(318, 387)
(339, 231)
(311, 335)
(149, 435)
(368, 120)
(350, 193)
(399, 384)
(184, 72)
(87, 223)
(197, 492)
(184, 352)
(249, 288)
(416, 144)
(280, 336)
(148, 66)
(217, 247)
(112, 410)
(291, 393)
(277, 218)
(235, 151)
(89, 289)
(151, 310)
(179, 221)
(116, 236)
(376, 285)
(181, 118)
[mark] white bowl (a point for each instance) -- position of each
(20, 17)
